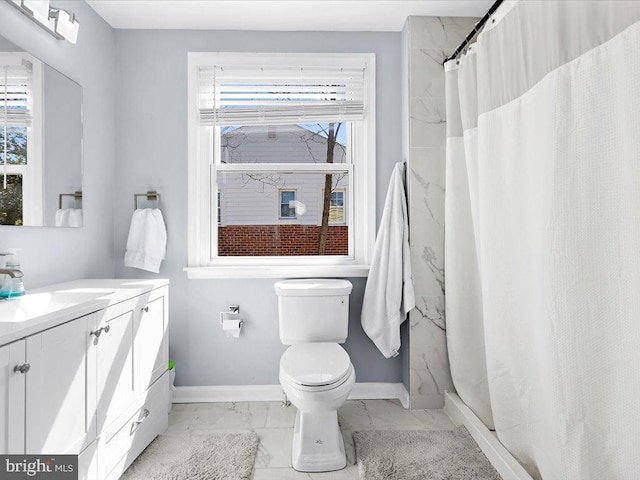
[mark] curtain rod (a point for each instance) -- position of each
(473, 32)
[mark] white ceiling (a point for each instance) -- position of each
(291, 15)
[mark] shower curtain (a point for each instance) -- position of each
(542, 240)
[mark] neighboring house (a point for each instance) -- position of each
(290, 204)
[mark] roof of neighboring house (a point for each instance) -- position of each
(277, 144)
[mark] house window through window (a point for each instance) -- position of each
(287, 204)
(274, 133)
(336, 212)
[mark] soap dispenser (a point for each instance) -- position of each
(12, 286)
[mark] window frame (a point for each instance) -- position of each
(295, 197)
(360, 209)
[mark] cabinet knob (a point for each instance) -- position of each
(145, 309)
(24, 368)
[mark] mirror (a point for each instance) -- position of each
(40, 142)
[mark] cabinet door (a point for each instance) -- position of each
(61, 389)
(114, 349)
(150, 344)
(12, 391)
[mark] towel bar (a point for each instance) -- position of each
(76, 196)
(150, 195)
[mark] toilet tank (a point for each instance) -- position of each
(313, 310)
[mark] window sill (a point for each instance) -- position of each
(276, 271)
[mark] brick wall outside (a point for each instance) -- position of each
(280, 240)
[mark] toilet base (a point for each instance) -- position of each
(317, 442)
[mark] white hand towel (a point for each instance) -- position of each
(389, 295)
(147, 242)
(62, 217)
(69, 217)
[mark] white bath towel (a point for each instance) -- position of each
(389, 295)
(147, 242)
(69, 217)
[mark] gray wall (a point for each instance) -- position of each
(151, 151)
(51, 255)
(7, 46)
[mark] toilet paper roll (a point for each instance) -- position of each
(231, 328)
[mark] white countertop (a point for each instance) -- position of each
(43, 308)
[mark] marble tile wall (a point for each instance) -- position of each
(428, 41)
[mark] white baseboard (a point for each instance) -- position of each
(273, 393)
(507, 466)
(228, 393)
(380, 391)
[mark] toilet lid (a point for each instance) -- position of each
(315, 363)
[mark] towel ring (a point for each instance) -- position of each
(150, 196)
(76, 196)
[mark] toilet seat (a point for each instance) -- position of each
(318, 388)
(315, 366)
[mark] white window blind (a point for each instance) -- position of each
(280, 96)
(16, 96)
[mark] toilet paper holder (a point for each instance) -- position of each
(231, 314)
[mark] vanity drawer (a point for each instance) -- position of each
(121, 446)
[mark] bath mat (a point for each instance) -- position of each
(228, 456)
(421, 455)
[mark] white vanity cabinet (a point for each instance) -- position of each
(92, 382)
(133, 393)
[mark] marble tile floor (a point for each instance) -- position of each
(274, 426)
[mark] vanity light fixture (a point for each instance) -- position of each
(65, 24)
(39, 9)
(59, 22)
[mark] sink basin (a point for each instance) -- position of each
(27, 307)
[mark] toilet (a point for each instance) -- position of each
(316, 373)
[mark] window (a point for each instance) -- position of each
(336, 212)
(288, 141)
(287, 204)
(20, 127)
